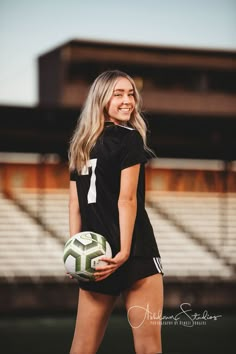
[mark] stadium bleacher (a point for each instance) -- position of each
(27, 250)
(208, 218)
(181, 255)
(49, 206)
(186, 226)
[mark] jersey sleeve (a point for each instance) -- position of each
(132, 152)
(73, 175)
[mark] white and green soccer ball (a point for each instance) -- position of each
(82, 254)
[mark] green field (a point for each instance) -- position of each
(52, 335)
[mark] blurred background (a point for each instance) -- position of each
(182, 57)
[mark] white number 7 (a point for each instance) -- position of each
(92, 193)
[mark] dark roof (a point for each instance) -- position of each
(197, 51)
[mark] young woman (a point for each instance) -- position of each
(107, 195)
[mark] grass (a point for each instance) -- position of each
(53, 334)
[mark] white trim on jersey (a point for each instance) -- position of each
(124, 126)
(157, 261)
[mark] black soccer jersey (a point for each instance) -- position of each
(98, 187)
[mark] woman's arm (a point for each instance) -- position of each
(74, 210)
(127, 206)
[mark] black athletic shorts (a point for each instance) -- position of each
(133, 269)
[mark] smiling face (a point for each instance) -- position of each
(122, 102)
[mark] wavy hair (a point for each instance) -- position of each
(93, 115)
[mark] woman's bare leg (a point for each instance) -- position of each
(144, 304)
(93, 313)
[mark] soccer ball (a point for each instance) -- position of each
(82, 254)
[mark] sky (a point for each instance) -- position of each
(29, 28)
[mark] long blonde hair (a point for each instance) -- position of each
(91, 121)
